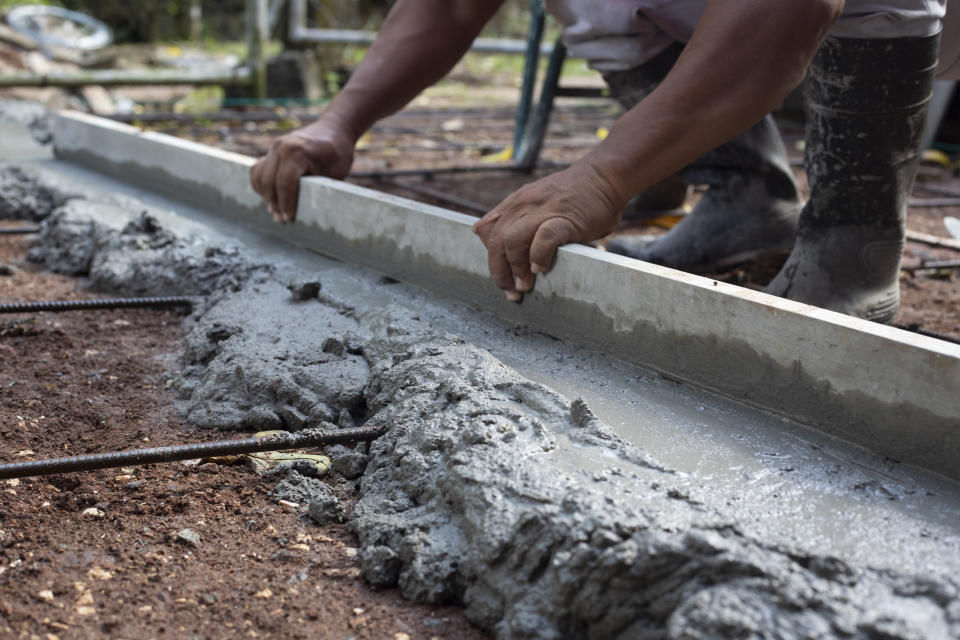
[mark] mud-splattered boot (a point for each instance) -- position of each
(866, 104)
(751, 205)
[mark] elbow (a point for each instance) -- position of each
(808, 26)
(827, 10)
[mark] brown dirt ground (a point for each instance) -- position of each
(81, 382)
(445, 136)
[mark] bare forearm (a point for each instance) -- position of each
(744, 58)
(420, 41)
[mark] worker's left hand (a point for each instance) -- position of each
(523, 232)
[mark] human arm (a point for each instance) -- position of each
(743, 59)
(419, 43)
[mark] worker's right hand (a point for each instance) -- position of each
(320, 149)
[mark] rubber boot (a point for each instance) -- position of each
(866, 105)
(751, 205)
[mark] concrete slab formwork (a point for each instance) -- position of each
(893, 392)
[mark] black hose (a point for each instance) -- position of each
(279, 442)
(108, 303)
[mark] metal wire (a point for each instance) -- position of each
(18, 231)
(107, 303)
(279, 442)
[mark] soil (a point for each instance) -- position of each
(442, 135)
(103, 553)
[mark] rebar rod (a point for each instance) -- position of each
(436, 171)
(934, 202)
(57, 306)
(19, 231)
(932, 265)
(278, 442)
(436, 194)
(915, 328)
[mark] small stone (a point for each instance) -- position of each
(99, 573)
(92, 512)
(188, 537)
(334, 346)
(581, 414)
(304, 290)
(46, 595)
(265, 594)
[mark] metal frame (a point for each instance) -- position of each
(299, 33)
(252, 73)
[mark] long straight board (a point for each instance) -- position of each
(891, 391)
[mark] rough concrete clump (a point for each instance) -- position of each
(493, 491)
(302, 290)
(25, 195)
(274, 374)
(33, 115)
(349, 463)
(469, 492)
(323, 507)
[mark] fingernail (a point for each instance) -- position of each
(520, 285)
(513, 296)
(536, 268)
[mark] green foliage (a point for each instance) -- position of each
(6, 5)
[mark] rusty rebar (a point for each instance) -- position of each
(19, 231)
(932, 265)
(278, 442)
(57, 306)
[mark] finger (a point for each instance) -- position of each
(287, 184)
(499, 268)
(259, 185)
(267, 188)
(517, 240)
(549, 236)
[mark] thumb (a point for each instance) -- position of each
(549, 236)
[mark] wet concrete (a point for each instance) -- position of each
(554, 492)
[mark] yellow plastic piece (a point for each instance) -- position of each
(499, 156)
(937, 157)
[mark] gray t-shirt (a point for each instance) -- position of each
(615, 35)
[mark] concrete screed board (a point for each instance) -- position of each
(896, 393)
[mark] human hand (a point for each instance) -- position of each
(322, 149)
(523, 232)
